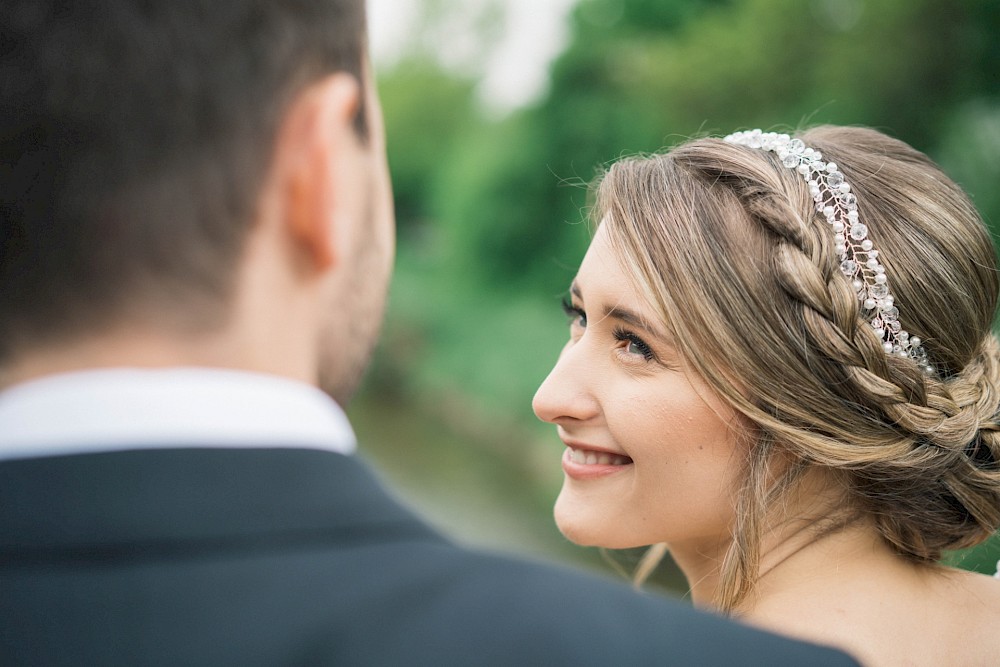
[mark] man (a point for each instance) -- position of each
(196, 234)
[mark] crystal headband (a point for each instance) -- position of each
(857, 254)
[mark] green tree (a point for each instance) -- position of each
(641, 74)
(491, 210)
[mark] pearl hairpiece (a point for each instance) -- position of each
(858, 256)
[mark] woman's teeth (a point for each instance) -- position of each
(591, 458)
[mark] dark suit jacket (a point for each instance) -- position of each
(296, 557)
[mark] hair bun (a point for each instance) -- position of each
(981, 385)
(946, 495)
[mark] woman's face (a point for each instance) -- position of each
(650, 451)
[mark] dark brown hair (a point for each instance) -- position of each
(134, 138)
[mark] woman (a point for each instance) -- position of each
(781, 366)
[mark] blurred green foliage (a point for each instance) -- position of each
(492, 211)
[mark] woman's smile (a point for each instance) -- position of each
(649, 452)
(581, 462)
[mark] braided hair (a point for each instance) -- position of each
(724, 243)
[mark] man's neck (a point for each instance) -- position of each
(139, 348)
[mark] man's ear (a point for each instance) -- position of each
(316, 151)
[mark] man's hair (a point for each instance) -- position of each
(135, 136)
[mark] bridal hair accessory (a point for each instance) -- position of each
(858, 256)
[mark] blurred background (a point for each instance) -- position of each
(498, 114)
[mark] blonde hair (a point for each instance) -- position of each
(725, 243)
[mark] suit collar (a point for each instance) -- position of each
(197, 498)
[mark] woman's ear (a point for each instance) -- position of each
(317, 162)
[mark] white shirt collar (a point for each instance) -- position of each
(117, 409)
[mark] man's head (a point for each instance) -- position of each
(145, 145)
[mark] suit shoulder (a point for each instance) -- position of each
(500, 609)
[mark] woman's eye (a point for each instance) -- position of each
(634, 345)
(576, 315)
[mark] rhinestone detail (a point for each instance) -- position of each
(858, 257)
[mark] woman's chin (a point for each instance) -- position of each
(582, 537)
(590, 529)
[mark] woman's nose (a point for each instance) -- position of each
(565, 395)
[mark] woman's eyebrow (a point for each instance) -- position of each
(635, 320)
(624, 315)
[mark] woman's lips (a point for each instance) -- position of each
(581, 463)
